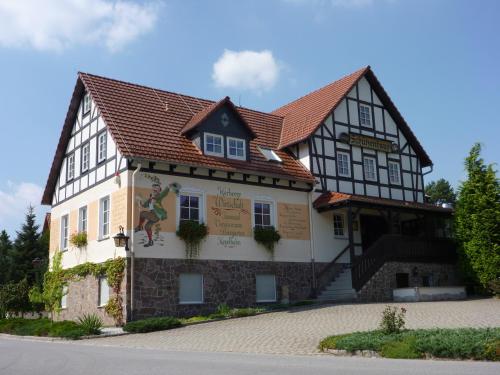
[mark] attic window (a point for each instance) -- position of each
(86, 104)
(214, 144)
(270, 155)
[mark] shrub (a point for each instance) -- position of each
(78, 239)
(462, 343)
(248, 311)
(192, 233)
(91, 324)
(114, 308)
(14, 298)
(223, 310)
(41, 327)
(152, 324)
(267, 237)
(400, 349)
(392, 320)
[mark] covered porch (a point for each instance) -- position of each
(379, 230)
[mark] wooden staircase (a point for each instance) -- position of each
(344, 285)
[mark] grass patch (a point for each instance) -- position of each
(462, 343)
(152, 324)
(41, 327)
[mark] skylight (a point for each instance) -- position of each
(269, 154)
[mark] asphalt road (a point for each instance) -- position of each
(25, 357)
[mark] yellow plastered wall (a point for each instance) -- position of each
(293, 221)
(55, 231)
(92, 220)
(119, 210)
(73, 222)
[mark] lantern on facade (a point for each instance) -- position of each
(121, 240)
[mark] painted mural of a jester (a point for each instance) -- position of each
(152, 208)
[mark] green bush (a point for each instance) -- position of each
(152, 324)
(392, 320)
(41, 327)
(91, 324)
(78, 239)
(404, 349)
(267, 237)
(223, 310)
(463, 343)
(247, 311)
(192, 233)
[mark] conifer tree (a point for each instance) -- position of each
(477, 220)
(5, 257)
(27, 247)
(440, 191)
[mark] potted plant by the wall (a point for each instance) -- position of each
(267, 237)
(192, 233)
(79, 239)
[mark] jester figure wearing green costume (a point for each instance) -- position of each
(153, 209)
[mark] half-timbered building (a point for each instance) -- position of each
(338, 172)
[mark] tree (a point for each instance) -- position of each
(477, 220)
(440, 191)
(5, 261)
(27, 247)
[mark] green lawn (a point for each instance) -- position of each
(462, 343)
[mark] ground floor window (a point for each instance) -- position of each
(190, 288)
(266, 288)
(103, 291)
(402, 280)
(64, 299)
(190, 207)
(338, 225)
(263, 214)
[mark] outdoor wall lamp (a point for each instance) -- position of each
(121, 240)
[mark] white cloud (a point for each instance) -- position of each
(60, 24)
(246, 70)
(15, 200)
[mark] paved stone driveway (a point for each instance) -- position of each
(299, 331)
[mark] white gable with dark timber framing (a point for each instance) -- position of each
(364, 171)
(91, 155)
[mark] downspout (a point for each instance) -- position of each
(132, 247)
(311, 238)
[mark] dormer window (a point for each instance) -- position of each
(86, 104)
(236, 148)
(214, 144)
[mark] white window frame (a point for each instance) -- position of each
(397, 173)
(70, 167)
(64, 298)
(64, 240)
(366, 172)
(86, 103)
(102, 151)
(100, 302)
(103, 235)
(85, 156)
(275, 291)
(192, 192)
(83, 219)
(271, 204)
(213, 153)
(348, 166)
(335, 227)
(366, 119)
(202, 289)
(229, 155)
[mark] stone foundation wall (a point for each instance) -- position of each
(379, 287)
(156, 285)
(83, 298)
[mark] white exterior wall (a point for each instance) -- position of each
(344, 119)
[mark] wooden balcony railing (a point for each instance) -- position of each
(396, 248)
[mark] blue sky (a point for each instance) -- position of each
(437, 59)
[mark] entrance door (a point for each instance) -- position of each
(372, 228)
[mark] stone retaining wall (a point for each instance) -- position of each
(379, 287)
(156, 289)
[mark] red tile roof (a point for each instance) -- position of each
(334, 199)
(304, 115)
(149, 123)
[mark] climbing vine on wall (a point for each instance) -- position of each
(112, 269)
